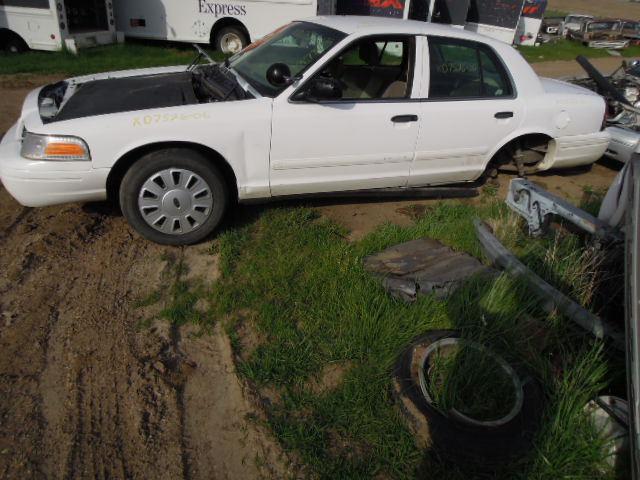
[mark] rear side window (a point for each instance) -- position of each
(464, 69)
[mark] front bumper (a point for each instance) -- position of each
(575, 150)
(41, 183)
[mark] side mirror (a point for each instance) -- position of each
(279, 75)
(324, 88)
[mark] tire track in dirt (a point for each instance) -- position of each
(76, 350)
(86, 392)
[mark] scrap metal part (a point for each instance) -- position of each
(422, 266)
(537, 205)
(610, 417)
(632, 314)
(621, 91)
(552, 299)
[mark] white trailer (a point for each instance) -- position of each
(493, 18)
(229, 25)
(530, 22)
(55, 24)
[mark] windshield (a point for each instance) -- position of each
(600, 26)
(298, 45)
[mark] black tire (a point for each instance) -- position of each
(14, 44)
(222, 46)
(462, 442)
(179, 158)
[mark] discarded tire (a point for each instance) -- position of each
(455, 436)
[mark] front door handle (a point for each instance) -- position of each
(504, 115)
(404, 118)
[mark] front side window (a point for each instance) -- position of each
(298, 45)
(465, 69)
(373, 68)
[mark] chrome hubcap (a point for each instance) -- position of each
(175, 201)
(231, 43)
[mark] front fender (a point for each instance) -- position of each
(238, 131)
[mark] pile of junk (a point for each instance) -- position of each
(621, 91)
(427, 267)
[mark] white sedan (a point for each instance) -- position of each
(328, 104)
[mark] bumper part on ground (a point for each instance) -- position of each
(551, 298)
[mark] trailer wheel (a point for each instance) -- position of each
(12, 43)
(230, 40)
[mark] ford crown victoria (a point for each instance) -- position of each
(326, 105)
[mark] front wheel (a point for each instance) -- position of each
(174, 197)
(230, 40)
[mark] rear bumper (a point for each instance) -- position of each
(576, 150)
(38, 184)
(624, 142)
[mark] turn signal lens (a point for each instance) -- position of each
(53, 147)
(63, 150)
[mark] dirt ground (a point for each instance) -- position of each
(85, 391)
(603, 8)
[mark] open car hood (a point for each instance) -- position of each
(113, 95)
(137, 90)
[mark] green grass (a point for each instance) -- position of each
(100, 59)
(569, 50)
(178, 297)
(555, 13)
(151, 54)
(468, 380)
(305, 289)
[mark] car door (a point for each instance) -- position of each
(470, 106)
(364, 139)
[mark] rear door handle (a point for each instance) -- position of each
(404, 118)
(504, 115)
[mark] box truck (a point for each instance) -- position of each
(228, 25)
(55, 24)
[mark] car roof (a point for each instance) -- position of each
(370, 25)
